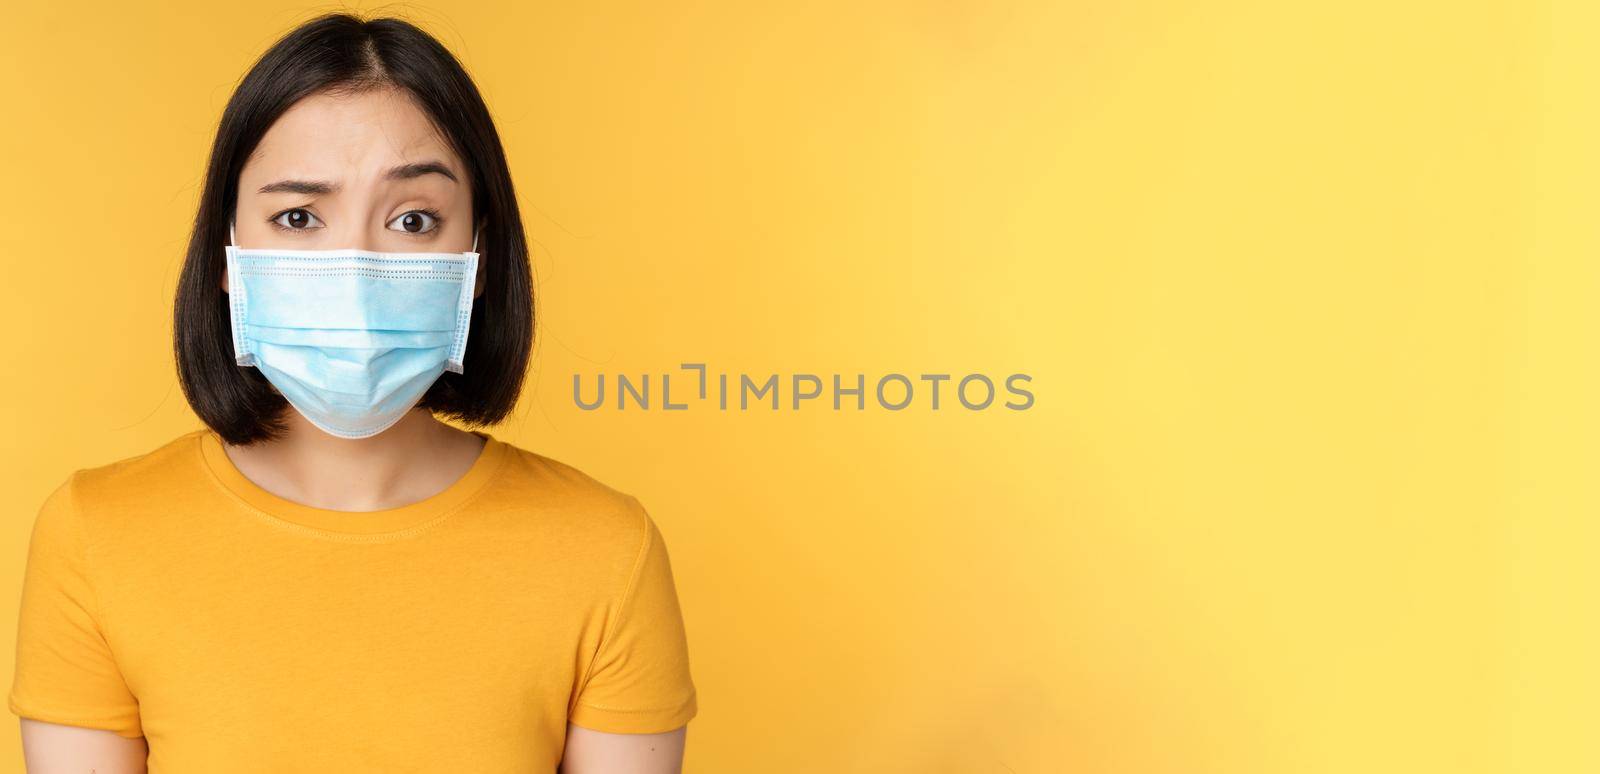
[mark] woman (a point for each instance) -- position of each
(326, 577)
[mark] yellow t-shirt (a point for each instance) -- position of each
(166, 595)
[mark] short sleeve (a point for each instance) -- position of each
(640, 682)
(64, 670)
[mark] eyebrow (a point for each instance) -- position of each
(321, 187)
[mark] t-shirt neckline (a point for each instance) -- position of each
(388, 520)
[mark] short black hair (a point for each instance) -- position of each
(339, 53)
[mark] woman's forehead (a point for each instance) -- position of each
(348, 138)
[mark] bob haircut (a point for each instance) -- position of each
(341, 53)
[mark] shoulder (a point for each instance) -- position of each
(140, 477)
(175, 456)
(578, 505)
(80, 502)
(175, 461)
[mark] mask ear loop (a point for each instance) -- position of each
(475, 234)
(230, 235)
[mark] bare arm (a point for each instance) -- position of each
(595, 752)
(52, 748)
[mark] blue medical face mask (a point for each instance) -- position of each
(351, 338)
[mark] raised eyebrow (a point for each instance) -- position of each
(322, 187)
(409, 171)
(310, 187)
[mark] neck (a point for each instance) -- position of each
(414, 459)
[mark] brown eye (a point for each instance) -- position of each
(416, 222)
(296, 220)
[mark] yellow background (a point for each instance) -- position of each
(1307, 291)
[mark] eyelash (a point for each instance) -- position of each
(438, 221)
